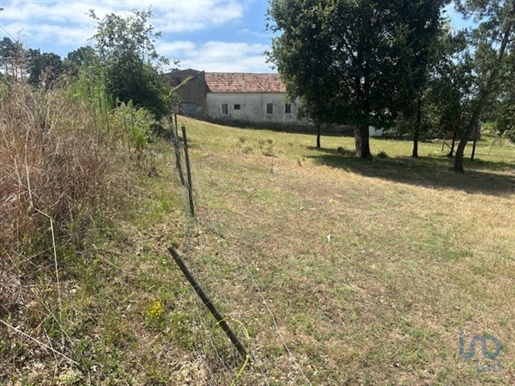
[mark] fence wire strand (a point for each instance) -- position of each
(205, 340)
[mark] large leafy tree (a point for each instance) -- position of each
(493, 40)
(129, 61)
(347, 59)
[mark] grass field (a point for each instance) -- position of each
(341, 271)
(370, 268)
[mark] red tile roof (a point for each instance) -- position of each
(228, 82)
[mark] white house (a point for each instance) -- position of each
(245, 97)
(236, 97)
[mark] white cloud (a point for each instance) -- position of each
(169, 16)
(196, 15)
(265, 35)
(216, 56)
(174, 48)
(61, 26)
(61, 35)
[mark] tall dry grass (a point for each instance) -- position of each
(55, 163)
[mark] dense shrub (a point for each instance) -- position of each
(133, 125)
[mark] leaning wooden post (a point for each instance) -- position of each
(188, 170)
(207, 302)
(177, 150)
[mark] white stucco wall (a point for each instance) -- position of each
(253, 108)
(374, 132)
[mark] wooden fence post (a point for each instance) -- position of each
(177, 149)
(188, 170)
(207, 302)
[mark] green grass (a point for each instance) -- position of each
(416, 252)
(366, 271)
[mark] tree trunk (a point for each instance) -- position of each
(474, 120)
(416, 135)
(474, 144)
(414, 154)
(361, 138)
(453, 143)
(318, 136)
(357, 140)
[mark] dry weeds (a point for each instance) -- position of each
(57, 177)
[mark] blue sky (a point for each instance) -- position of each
(210, 35)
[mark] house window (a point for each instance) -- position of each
(287, 108)
(269, 108)
(225, 109)
(237, 107)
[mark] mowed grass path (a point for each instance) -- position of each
(371, 269)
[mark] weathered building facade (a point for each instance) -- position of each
(236, 97)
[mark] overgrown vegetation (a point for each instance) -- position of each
(332, 271)
(276, 247)
(69, 161)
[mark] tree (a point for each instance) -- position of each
(450, 88)
(77, 59)
(315, 106)
(129, 62)
(501, 112)
(419, 58)
(44, 69)
(493, 40)
(345, 59)
(12, 58)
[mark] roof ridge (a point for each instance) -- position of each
(246, 82)
(236, 72)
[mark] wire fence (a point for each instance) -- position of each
(221, 361)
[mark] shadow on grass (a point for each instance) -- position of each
(481, 177)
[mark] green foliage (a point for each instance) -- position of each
(419, 55)
(131, 124)
(132, 80)
(492, 41)
(120, 123)
(12, 58)
(502, 110)
(129, 63)
(77, 60)
(347, 60)
(451, 87)
(82, 56)
(90, 89)
(44, 68)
